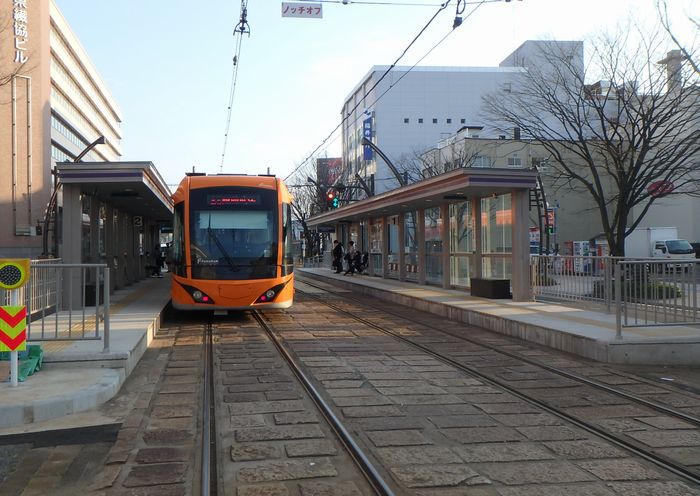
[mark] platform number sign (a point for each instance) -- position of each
(14, 272)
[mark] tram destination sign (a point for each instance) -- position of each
(325, 229)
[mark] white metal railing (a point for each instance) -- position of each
(65, 302)
(641, 292)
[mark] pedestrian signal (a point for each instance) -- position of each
(14, 272)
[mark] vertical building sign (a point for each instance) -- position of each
(367, 134)
(20, 17)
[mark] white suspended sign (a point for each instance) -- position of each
(306, 9)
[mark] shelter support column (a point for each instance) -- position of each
(385, 246)
(402, 245)
(420, 228)
(520, 280)
(445, 242)
(71, 247)
(476, 269)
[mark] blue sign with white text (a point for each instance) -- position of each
(367, 134)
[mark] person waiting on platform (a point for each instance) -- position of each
(350, 257)
(337, 256)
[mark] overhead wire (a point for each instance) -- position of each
(460, 9)
(443, 6)
(241, 28)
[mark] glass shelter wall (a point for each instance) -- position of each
(393, 247)
(462, 243)
(433, 246)
(411, 246)
(497, 237)
(375, 246)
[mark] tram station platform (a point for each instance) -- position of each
(584, 332)
(79, 375)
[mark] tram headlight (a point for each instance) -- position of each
(198, 295)
(270, 294)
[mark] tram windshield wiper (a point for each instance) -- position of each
(212, 235)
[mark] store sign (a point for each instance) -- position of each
(306, 10)
(20, 18)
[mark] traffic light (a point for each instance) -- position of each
(335, 203)
(550, 229)
(330, 195)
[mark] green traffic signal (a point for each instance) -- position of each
(335, 203)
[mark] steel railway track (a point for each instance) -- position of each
(622, 441)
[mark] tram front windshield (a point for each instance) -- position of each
(233, 233)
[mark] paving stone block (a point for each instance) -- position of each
(621, 469)
(256, 407)
(667, 439)
(320, 447)
(167, 436)
(250, 452)
(287, 470)
(172, 411)
(372, 411)
(558, 490)
(652, 489)
(152, 475)
(369, 399)
(246, 421)
(282, 395)
(174, 399)
(162, 455)
(518, 408)
(468, 435)
(263, 490)
(502, 452)
(437, 475)
(440, 410)
(277, 433)
(295, 418)
(398, 438)
(449, 421)
(586, 448)
(537, 472)
(551, 433)
(387, 424)
(329, 489)
(423, 455)
(527, 419)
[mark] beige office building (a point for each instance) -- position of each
(53, 105)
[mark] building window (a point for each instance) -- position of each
(463, 121)
(514, 161)
(481, 161)
(420, 120)
(449, 121)
(405, 120)
(434, 120)
(507, 87)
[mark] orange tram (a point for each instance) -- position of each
(232, 243)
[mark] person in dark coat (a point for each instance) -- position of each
(337, 256)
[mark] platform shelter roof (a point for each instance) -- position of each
(134, 187)
(450, 187)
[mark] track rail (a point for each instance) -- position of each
(372, 475)
(634, 447)
(208, 479)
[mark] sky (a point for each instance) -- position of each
(168, 64)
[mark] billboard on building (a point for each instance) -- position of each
(328, 170)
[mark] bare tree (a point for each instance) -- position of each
(424, 163)
(309, 200)
(625, 142)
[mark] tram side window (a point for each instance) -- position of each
(177, 249)
(288, 255)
